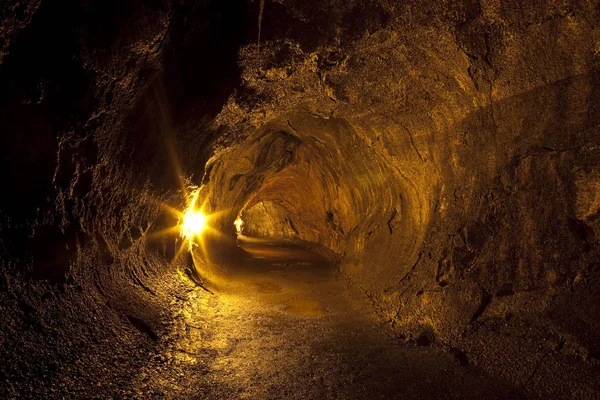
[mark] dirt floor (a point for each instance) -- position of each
(287, 328)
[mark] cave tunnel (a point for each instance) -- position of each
(295, 199)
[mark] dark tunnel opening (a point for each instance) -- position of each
(299, 199)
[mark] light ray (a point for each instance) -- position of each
(163, 232)
(166, 130)
(184, 244)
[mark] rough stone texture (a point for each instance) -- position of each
(89, 106)
(478, 137)
(448, 152)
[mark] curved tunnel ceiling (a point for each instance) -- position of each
(445, 157)
(328, 181)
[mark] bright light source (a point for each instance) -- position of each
(194, 223)
(238, 225)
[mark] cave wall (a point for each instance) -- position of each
(268, 219)
(104, 105)
(324, 176)
(484, 116)
(447, 152)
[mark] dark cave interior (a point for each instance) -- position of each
(402, 199)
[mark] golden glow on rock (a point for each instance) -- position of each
(238, 225)
(194, 223)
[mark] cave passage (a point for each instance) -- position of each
(300, 199)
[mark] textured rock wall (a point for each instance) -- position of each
(96, 98)
(446, 151)
(483, 118)
(270, 220)
(318, 170)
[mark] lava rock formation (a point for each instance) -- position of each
(445, 155)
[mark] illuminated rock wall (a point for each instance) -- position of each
(461, 186)
(446, 151)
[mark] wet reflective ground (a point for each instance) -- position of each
(286, 328)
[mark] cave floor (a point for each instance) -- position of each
(287, 328)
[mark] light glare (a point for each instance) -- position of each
(194, 223)
(238, 225)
